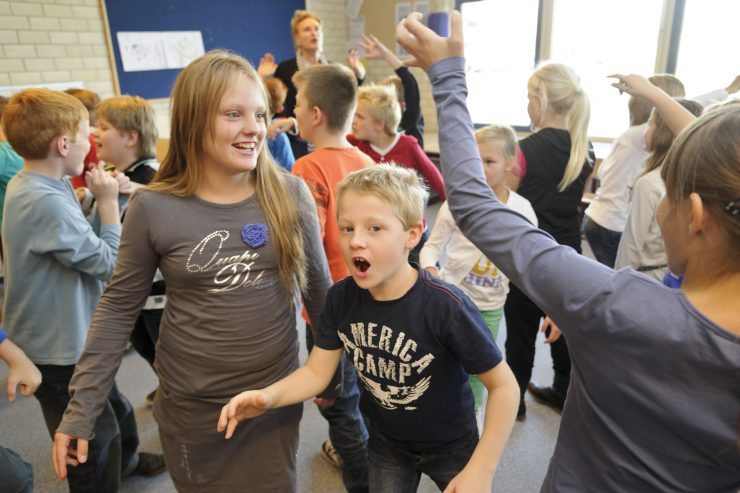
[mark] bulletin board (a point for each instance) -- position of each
(247, 27)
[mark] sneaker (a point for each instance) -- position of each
(149, 465)
(331, 454)
(149, 399)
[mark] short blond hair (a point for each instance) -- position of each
(398, 186)
(35, 117)
(382, 105)
(300, 16)
(132, 114)
(333, 89)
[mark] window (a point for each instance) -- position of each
(504, 40)
(710, 43)
(617, 37)
(500, 46)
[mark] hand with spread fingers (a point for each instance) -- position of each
(267, 66)
(426, 46)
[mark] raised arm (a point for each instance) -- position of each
(555, 277)
(676, 116)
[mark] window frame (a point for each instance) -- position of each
(666, 56)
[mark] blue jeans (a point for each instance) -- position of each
(15, 473)
(394, 469)
(347, 429)
(113, 447)
(603, 242)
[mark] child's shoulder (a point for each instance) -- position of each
(441, 293)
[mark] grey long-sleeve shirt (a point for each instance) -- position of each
(55, 268)
(654, 397)
(228, 324)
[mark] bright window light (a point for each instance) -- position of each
(708, 52)
(601, 38)
(500, 42)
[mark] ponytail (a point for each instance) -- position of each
(577, 122)
(559, 90)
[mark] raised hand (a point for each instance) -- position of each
(426, 46)
(375, 49)
(353, 59)
(249, 404)
(633, 84)
(267, 66)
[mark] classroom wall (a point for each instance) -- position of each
(54, 41)
(64, 41)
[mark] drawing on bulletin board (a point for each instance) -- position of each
(159, 50)
(182, 47)
(141, 51)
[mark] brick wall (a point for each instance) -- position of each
(54, 41)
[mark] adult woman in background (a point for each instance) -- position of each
(308, 39)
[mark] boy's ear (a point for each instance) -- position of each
(318, 116)
(60, 145)
(414, 235)
(132, 138)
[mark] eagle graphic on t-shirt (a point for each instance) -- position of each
(392, 396)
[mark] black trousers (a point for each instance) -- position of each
(113, 448)
(522, 326)
(145, 335)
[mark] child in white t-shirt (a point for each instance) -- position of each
(462, 264)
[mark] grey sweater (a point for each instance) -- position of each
(55, 267)
(655, 388)
(228, 325)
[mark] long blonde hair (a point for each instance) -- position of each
(558, 89)
(195, 102)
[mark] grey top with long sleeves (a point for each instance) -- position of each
(654, 396)
(228, 324)
(55, 268)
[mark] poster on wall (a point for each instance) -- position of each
(158, 50)
(141, 51)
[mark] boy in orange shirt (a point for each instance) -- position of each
(325, 103)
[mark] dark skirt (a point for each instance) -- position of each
(260, 457)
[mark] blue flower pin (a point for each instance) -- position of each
(255, 235)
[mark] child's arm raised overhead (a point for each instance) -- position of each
(676, 116)
(302, 384)
(429, 171)
(555, 277)
(501, 407)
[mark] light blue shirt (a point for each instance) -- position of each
(55, 268)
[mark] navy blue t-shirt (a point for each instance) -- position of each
(412, 356)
